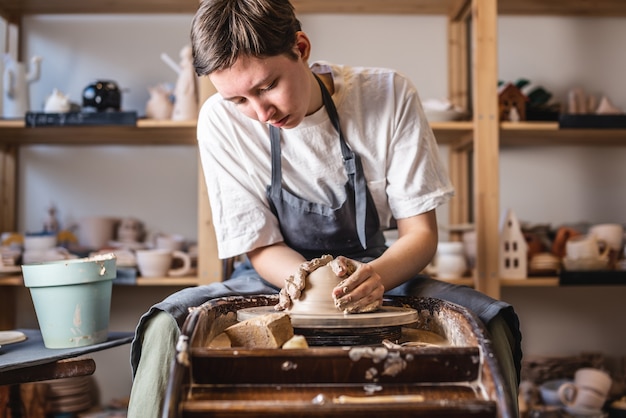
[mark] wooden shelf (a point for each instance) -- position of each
(12, 9)
(465, 281)
(528, 282)
(153, 132)
(147, 132)
(530, 134)
(599, 8)
(451, 133)
(167, 281)
(531, 282)
(16, 280)
(11, 280)
(549, 134)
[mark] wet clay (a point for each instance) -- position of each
(317, 295)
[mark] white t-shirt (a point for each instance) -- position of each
(383, 122)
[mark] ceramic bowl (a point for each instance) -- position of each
(586, 264)
(435, 115)
(39, 242)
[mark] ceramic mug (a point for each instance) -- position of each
(584, 247)
(611, 234)
(450, 261)
(158, 263)
(95, 232)
(589, 389)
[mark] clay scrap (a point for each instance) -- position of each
(267, 331)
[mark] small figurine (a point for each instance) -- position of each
(57, 102)
(51, 224)
(130, 231)
(185, 92)
(576, 100)
(607, 108)
(159, 106)
(511, 99)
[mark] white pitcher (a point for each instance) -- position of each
(15, 93)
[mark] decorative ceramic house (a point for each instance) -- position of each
(511, 103)
(513, 249)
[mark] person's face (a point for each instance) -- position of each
(275, 90)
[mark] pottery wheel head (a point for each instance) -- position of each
(384, 317)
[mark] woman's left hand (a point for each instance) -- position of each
(361, 290)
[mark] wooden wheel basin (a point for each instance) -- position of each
(439, 365)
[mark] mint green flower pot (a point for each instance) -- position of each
(72, 299)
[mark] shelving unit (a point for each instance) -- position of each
(147, 132)
(472, 44)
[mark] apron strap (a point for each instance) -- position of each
(351, 162)
(276, 163)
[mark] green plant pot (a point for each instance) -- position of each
(72, 299)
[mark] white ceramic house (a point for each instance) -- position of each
(513, 249)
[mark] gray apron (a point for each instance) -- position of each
(351, 229)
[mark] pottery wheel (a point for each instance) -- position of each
(386, 316)
(344, 330)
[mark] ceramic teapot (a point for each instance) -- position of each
(102, 96)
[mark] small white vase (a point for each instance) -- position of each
(450, 260)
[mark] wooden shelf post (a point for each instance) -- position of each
(486, 144)
(209, 266)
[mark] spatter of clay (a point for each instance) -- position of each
(295, 283)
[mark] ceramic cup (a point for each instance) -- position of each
(583, 247)
(450, 261)
(96, 232)
(469, 242)
(588, 391)
(611, 234)
(549, 391)
(158, 263)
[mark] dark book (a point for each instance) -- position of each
(34, 119)
(591, 121)
(593, 278)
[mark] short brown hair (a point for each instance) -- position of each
(224, 30)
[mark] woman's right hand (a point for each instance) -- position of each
(361, 289)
